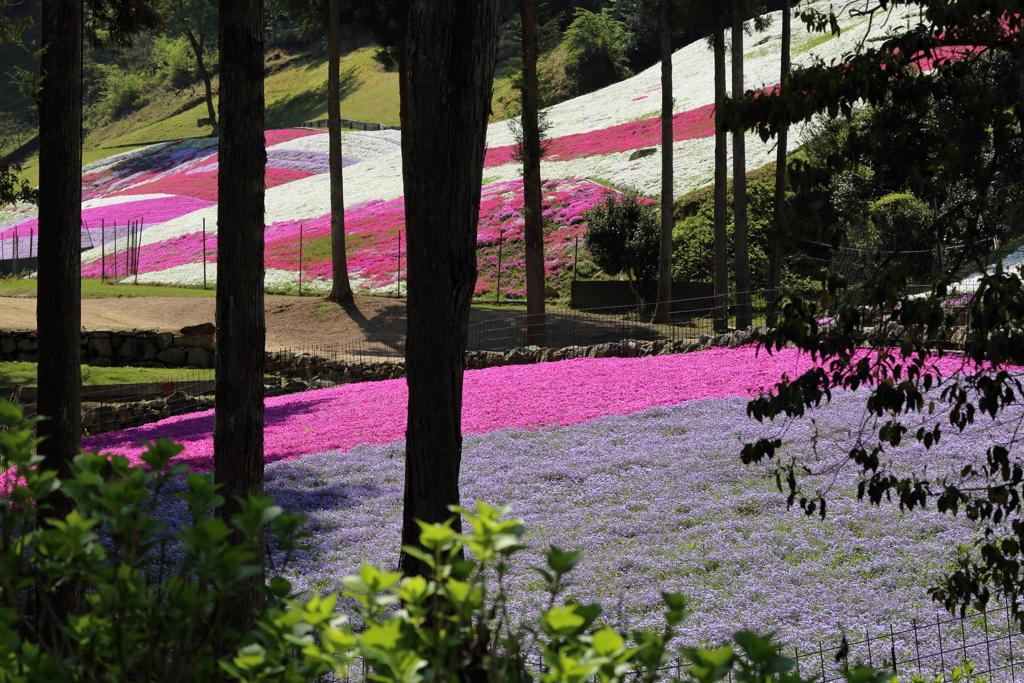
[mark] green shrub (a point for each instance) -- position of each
(595, 44)
(960, 674)
(898, 221)
(174, 59)
(623, 236)
(123, 91)
(157, 599)
(693, 259)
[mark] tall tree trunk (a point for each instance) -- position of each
(59, 306)
(720, 312)
(341, 290)
(775, 252)
(534, 228)
(447, 72)
(241, 328)
(662, 310)
(739, 184)
(197, 49)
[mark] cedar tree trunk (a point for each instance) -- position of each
(241, 329)
(341, 290)
(775, 251)
(447, 68)
(534, 228)
(739, 184)
(59, 303)
(662, 310)
(197, 49)
(720, 311)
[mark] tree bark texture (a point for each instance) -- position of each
(341, 290)
(533, 230)
(59, 303)
(446, 73)
(739, 184)
(720, 312)
(241, 328)
(662, 310)
(197, 48)
(775, 251)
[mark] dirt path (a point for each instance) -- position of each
(375, 324)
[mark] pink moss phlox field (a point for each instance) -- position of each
(149, 211)
(203, 184)
(372, 230)
(524, 397)
(687, 125)
(177, 251)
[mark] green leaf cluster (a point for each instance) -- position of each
(951, 136)
(623, 236)
(157, 601)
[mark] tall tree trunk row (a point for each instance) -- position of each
(775, 253)
(58, 307)
(719, 315)
(739, 183)
(197, 49)
(447, 71)
(534, 228)
(341, 290)
(241, 328)
(662, 311)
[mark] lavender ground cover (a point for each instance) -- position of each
(659, 500)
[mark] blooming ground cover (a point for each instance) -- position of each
(635, 462)
(169, 189)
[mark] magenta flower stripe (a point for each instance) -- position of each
(149, 211)
(522, 397)
(687, 125)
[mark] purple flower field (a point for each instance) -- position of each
(659, 501)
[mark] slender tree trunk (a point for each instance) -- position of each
(775, 253)
(341, 290)
(662, 309)
(59, 306)
(739, 184)
(241, 328)
(720, 313)
(447, 72)
(534, 228)
(197, 49)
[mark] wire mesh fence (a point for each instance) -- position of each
(117, 406)
(687, 319)
(994, 652)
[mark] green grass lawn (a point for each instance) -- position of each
(17, 372)
(93, 288)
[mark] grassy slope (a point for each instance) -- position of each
(14, 373)
(295, 90)
(92, 288)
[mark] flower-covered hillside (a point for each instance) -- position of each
(636, 463)
(168, 191)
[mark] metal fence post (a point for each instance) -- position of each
(497, 283)
(892, 646)
(1009, 637)
(103, 250)
(300, 259)
(988, 647)
(204, 252)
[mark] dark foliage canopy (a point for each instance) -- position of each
(896, 377)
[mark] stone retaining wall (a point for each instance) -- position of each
(193, 347)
